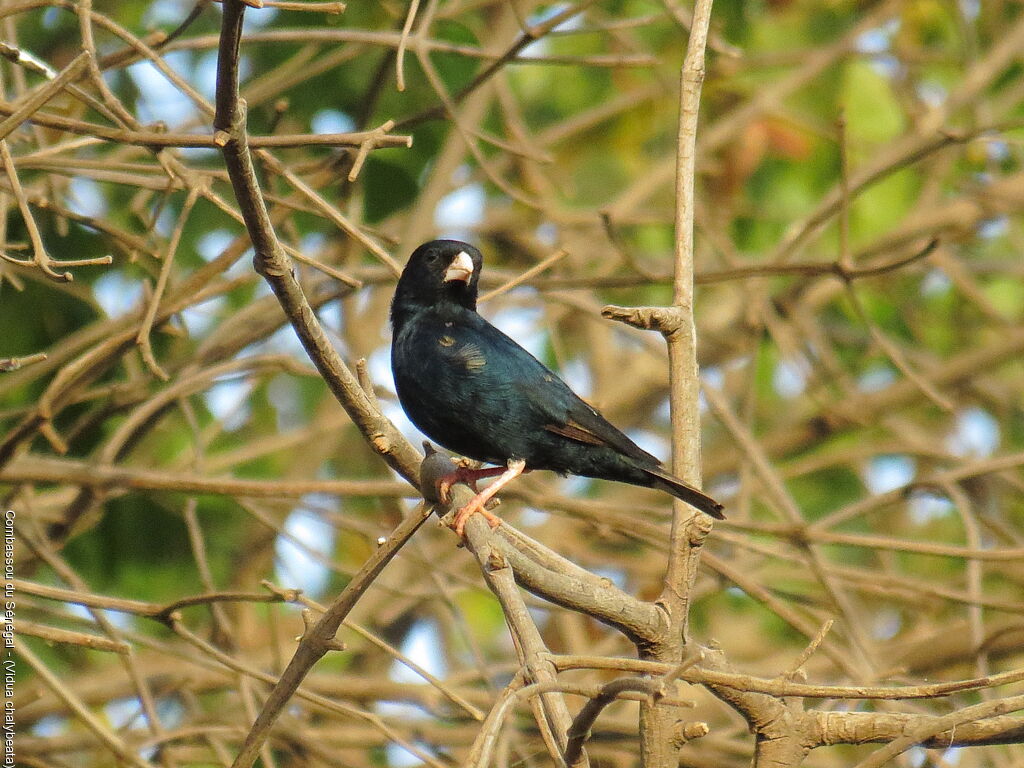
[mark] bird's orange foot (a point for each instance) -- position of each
(478, 503)
(475, 505)
(464, 474)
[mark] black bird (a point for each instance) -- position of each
(471, 388)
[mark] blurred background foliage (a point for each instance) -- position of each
(880, 380)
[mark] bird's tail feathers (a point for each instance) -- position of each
(664, 481)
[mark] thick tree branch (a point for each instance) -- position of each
(552, 577)
(319, 637)
(273, 263)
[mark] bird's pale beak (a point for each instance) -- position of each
(460, 269)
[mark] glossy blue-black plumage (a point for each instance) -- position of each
(474, 390)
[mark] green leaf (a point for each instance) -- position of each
(873, 115)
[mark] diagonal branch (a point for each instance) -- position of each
(273, 263)
(319, 638)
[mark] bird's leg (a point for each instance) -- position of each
(476, 504)
(464, 474)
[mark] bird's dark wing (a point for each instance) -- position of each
(559, 410)
(579, 421)
(575, 432)
(463, 379)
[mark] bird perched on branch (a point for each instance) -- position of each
(478, 393)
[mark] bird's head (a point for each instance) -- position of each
(437, 272)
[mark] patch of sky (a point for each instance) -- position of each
(123, 712)
(889, 472)
(361, 302)
(460, 211)
(159, 99)
(260, 17)
(165, 221)
(925, 507)
(49, 726)
(574, 485)
(307, 540)
(662, 412)
(546, 234)
(524, 325)
(396, 755)
(116, 294)
(542, 46)
(283, 341)
(244, 68)
(200, 318)
(976, 433)
(242, 266)
(170, 711)
(724, 487)
(952, 756)
(394, 412)
(261, 287)
(214, 243)
(702, 401)
(576, 373)
(204, 77)
(86, 198)
(531, 517)
(886, 65)
(285, 396)
(790, 377)
(541, 617)
(547, 13)
(378, 365)
(997, 150)
(121, 715)
(989, 229)
(331, 121)
(931, 94)
(331, 317)
(166, 12)
(51, 17)
(228, 402)
(887, 623)
(629, 339)
(615, 575)
(123, 621)
(204, 73)
(650, 441)
(713, 376)
(313, 243)
(422, 646)
(877, 40)
(875, 378)
(971, 9)
(917, 757)
(199, 154)
(935, 282)
(876, 43)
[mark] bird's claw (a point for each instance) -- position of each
(474, 507)
(476, 504)
(444, 490)
(479, 502)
